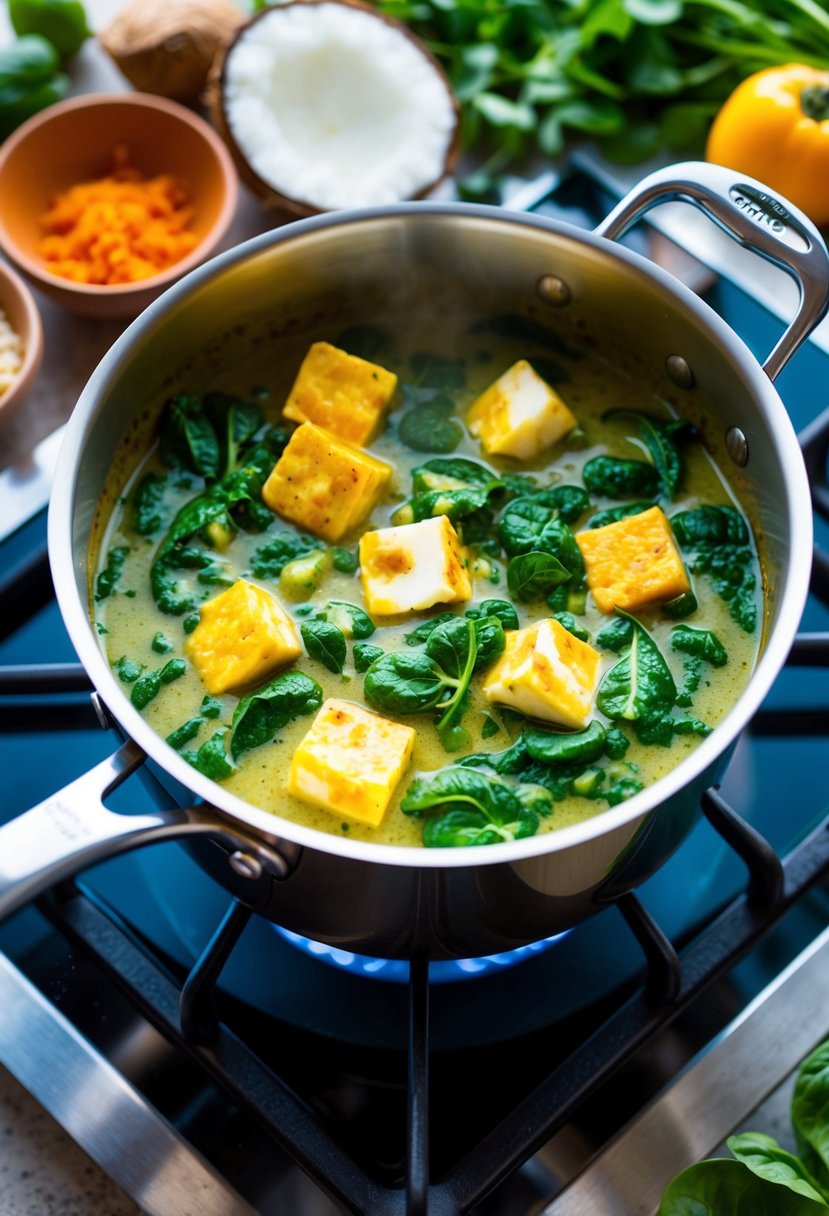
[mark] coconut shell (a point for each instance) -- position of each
(283, 205)
(167, 47)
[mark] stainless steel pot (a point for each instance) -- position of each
(464, 262)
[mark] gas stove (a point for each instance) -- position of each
(214, 1064)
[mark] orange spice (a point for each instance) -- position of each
(119, 228)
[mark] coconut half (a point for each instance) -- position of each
(327, 104)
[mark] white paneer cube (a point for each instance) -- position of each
(519, 415)
(351, 762)
(546, 673)
(412, 567)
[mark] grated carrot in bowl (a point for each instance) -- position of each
(117, 229)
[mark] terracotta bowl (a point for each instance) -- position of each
(21, 312)
(73, 142)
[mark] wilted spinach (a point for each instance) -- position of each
(206, 436)
(640, 686)
(261, 713)
(354, 622)
(718, 541)
(344, 560)
(583, 746)
(503, 609)
(147, 513)
(212, 759)
(365, 654)
(127, 670)
(530, 576)
(161, 644)
(271, 558)
(185, 733)
(659, 437)
(617, 478)
(148, 686)
(325, 643)
(454, 473)
(463, 806)
(429, 426)
(109, 576)
(701, 643)
(455, 504)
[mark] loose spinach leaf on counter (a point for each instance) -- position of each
(617, 478)
(530, 576)
(261, 713)
(325, 643)
(721, 1187)
(810, 1114)
(718, 541)
(212, 759)
(658, 436)
(640, 685)
(463, 806)
(354, 622)
(768, 1160)
(107, 579)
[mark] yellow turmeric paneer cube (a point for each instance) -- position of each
(519, 415)
(323, 484)
(340, 392)
(412, 567)
(242, 636)
(351, 762)
(633, 562)
(545, 672)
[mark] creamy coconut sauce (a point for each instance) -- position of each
(131, 618)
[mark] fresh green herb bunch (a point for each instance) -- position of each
(636, 75)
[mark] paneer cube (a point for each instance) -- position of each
(351, 762)
(546, 673)
(633, 563)
(413, 567)
(340, 392)
(323, 484)
(242, 636)
(519, 415)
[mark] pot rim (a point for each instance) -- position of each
(63, 559)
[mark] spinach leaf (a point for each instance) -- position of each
(658, 729)
(613, 514)
(147, 515)
(325, 643)
(490, 727)
(455, 504)
(161, 644)
(617, 478)
(261, 713)
(430, 427)
(188, 440)
(718, 1186)
(616, 743)
(489, 641)
(571, 502)
(109, 576)
(810, 1114)
(127, 670)
(211, 707)
(692, 674)
(720, 546)
(531, 575)
(640, 685)
(365, 654)
(344, 560)
(435, 371)
(404, 683)
(506, 763)
(615, 636)
(528, 525)
(421, 633)
(681, 607)
(549, 748)
(657, 434)
(699, 642)
(349, 619)
(212, 759)
(270, 559)
(466, 806)
(503, 609)
(147, 687)
(569, 622)
(765, 1158)
(184, 733)
(234, 422)
(454, 473)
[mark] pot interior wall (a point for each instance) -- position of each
(440, 271)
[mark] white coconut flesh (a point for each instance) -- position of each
(334, 106)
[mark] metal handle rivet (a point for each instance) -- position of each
(736, 445)
(244, 865)
(679, 371)
(553, 290)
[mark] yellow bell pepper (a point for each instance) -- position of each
(775, 127)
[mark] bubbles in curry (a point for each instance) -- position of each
(446, 598)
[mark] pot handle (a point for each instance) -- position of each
(757, 220)
(73, 829)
